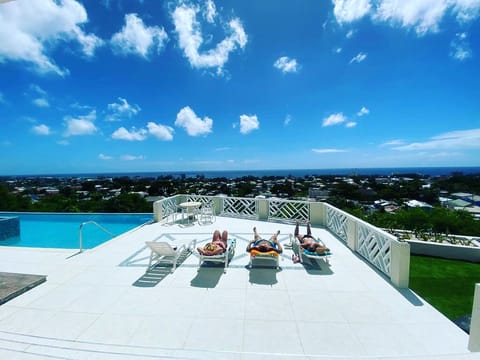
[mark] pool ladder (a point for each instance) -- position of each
(80, 234)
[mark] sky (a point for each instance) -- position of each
(104, 86)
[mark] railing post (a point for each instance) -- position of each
(217, 204)
(474, 339)
(262, 209)
(157, 210)
(318, 214)
(400, 264)
(352, 233)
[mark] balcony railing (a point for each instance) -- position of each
(379, 248)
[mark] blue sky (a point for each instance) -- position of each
(127, 86)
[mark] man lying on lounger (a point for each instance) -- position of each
(217, 246)
(308, 242)
(264, 245)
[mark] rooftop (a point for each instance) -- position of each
(102, 304)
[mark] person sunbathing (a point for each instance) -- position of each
(264, 245)
(308, 242)
(217, 246)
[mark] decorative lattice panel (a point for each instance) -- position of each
(169, 206)
(200, 198)
(374, 246)
(288, 210)
(239, 207)
(337, 223)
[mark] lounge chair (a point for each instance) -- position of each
(271, 255)
(220, 258)
(162, 251)
(301, 252)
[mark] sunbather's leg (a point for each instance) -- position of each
(225, 236)
(255, 234)
(297, 230)
(309, 231)
(216, 235)
(274, 238)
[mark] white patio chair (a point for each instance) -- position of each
(162, 251)
(207, 214)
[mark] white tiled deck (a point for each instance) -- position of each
(101, 305)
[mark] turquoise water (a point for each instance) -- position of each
(54, 230)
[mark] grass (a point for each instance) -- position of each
(448, 285)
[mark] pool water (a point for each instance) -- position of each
(55, 230)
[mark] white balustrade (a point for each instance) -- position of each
(378, 247)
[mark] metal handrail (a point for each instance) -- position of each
(80, 234)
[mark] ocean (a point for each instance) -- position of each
(299, 173)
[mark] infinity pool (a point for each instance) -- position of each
(59, 230)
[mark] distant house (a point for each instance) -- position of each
(318, 194)
(457, 204)
(418, 204)
(470, 198)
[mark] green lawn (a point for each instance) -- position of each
(448, 285)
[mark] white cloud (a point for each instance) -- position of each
(350, 124)
(287, 120)
(131, 157)
(338, 50)
(104, 157)
(82, 125)
(395, 142)
(194, 125)
(350, 34)
(346, 11)
(328, 151)
(454, 140)
(30, 29)
(40, 96)
(363, 111)
(41, 129)
(136, 38)
(460, 49)
(210, 11)
(424, 16)
(160, 131)
(37, 89)
(132, 135)
(466, 10)
(248, 123)
(120, 110)
(334, 119)
(190, 39)
(286, 65)
(358, 58)
(41, 102)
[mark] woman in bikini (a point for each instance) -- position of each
(264, 245)
(308, 242)
(218, 245)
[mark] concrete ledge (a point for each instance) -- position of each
(12, 285)
(447, 251)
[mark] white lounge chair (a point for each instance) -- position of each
(162, 251)
(221, 258)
